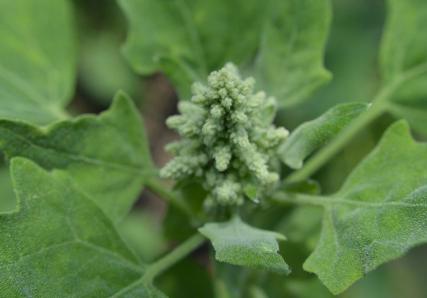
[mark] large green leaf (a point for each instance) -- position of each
(289, 64)
(315, 133)
(237, 243)
(107, 155)
(279, 42)
(60, 244)
(379, 213)
(404, 60)
(37, 59)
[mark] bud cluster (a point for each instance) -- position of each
(227, 138)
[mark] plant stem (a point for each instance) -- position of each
(378, 106)
(300, 199)
(170, 259)
(163, 192)
(162, 264)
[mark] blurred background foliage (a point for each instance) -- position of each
(351, 56)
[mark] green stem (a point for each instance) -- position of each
(173, 257)
(300, 199)
(326, 153)
(379, 106)
(158, 188)
(162, 264)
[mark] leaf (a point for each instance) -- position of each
(289, 64)
(37, 59)
(281, 43)
(237, 243)
(404, 60)
(71, 247)
(7, 197)
(315, 133)
(106, 155)
(379, 213)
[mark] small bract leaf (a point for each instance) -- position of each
(315, 133)
(378, 215)
(72, 248)
(107, 155)
(237, 243)
(37, 59)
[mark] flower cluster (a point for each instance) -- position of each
(227, 138)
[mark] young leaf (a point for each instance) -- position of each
(279, 42)
(107, 155)
(37, 59)
(378, 214)
(71, 247)
(315, 133)
(237, 243)
(404, 60)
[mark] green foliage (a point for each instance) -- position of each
(404, 60)
(74, 221)
(280, 43)
(377, 215)
(313, 134)
(37, 59)
(237, 243)
(107, 155)
(66, 240)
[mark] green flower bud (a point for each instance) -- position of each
(228, 139)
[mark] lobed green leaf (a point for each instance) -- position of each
(378, 215)
(70, 246)
(107, 155)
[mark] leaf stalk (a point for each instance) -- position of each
(173, 257)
